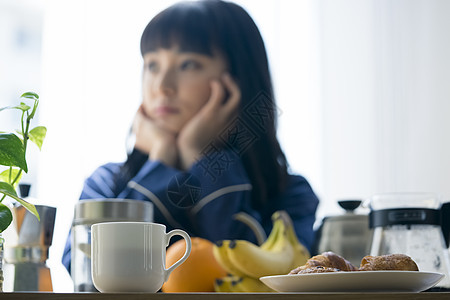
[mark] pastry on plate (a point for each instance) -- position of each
(398, 262)
(325, 262)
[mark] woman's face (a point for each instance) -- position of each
(176, 85)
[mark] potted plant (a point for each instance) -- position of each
(13, 148)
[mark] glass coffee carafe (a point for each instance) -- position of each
(410, 223)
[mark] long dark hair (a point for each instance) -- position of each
(212, 25)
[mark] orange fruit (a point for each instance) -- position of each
(198, 272)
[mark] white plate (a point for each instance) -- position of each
(364, 281)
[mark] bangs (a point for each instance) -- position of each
(185, 25)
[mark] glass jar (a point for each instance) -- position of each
(89, 212)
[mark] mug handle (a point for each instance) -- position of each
(186, 237)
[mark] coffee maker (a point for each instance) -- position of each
(27, 243)
(410, 223)
(347, 234)
(445, 217)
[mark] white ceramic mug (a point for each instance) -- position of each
(131, 256)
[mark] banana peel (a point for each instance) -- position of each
(220, 253)
(251, 285)
(224, 284)
(245, 261)
(236, 284)
(256, 262)
(301, 253)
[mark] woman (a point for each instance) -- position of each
(206, 146)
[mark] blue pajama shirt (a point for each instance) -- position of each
(217, 187)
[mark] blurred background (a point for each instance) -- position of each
(362, 88)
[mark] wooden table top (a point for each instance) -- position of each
(226, 296)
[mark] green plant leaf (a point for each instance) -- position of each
(12, 152)
(37, 135)
(22, 107)
(4, 176)
(35, 97)
(30, 95)
(5, 217)
(8, 190)
(30, 207)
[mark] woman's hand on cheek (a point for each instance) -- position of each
(160, 144)
(210, 121)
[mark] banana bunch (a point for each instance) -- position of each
(301, 254)
(238, 284)
(247, 262)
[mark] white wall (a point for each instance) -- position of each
(385, 97)
(20, 62)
